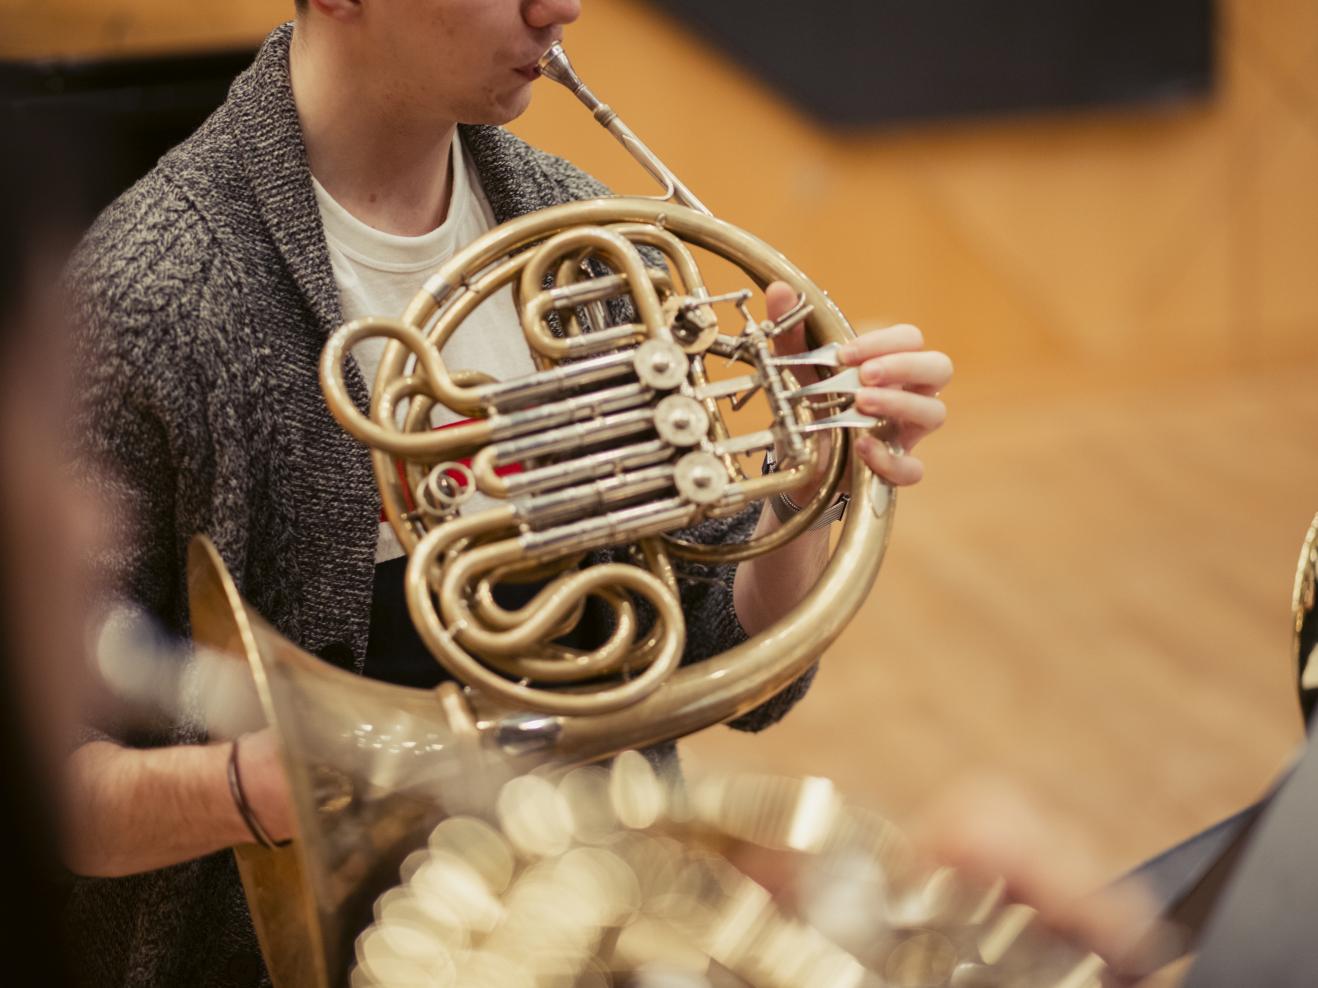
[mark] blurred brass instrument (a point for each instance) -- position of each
(611, 877)
(624, 444)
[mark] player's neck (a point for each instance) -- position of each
(388, 167)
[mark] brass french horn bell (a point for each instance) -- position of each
(625, 446)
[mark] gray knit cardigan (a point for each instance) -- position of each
(206, 296)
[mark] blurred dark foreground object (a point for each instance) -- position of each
(32, 730)
(1246, 889)
(76, 135)
(1261, 932)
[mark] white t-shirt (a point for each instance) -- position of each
(380, 273)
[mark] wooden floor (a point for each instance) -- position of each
(1088, 596)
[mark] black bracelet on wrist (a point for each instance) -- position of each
(258, 832)
(784, 508)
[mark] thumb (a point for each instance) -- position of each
(779, 298)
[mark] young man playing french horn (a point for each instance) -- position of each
(360, 150)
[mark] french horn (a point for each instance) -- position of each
(1304, 627)
(626, 443)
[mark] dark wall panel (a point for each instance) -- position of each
(858, 62)
(111, 119)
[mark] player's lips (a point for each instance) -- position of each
(530, 72)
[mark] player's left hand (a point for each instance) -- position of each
(901, 382)
(990, 829)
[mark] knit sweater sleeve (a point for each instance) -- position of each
(711, 615)
(131, 292)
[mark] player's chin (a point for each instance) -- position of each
(501, 108)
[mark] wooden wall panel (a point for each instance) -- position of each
(60, 28)
(1088, 597)
(1178, 235)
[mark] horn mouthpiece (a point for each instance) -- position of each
(554, 64)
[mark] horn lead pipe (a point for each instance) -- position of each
(554, 64)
